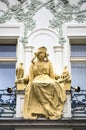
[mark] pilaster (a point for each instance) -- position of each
(28, 50)
(67, 106)
(59, 58)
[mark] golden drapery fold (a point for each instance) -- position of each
(44, 97)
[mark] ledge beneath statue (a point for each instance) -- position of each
(65, 124)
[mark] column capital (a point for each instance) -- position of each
(58, 48)
(28, 48)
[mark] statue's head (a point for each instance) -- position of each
(43, 50)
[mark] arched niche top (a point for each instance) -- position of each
(43, 37)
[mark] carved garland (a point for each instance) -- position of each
(23, 11)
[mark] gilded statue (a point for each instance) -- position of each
(20, 71)
(19, 75)
(65, 78)
(44, 95)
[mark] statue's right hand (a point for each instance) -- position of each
(20, 80)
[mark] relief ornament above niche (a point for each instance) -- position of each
(23, 11)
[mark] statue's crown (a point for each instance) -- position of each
(42, 49)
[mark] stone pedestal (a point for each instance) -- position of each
(20, 86)
(19, 103)
(67, 106)
(67, 86)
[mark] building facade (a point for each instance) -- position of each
(60, 26)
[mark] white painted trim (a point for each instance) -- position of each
(10, 25)
(77, 25)
(75, 59)
(8, 59)
(11, 30)
(76, 30)
(16, 31)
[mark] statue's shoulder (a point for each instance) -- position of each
(49, 62)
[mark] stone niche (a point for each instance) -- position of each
(36, 38)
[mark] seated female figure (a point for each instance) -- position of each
(44, 96)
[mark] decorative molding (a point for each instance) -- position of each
(58, 48)
(22, 12)
(28, 48)
(63, 11)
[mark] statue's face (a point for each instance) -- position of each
(41, 56)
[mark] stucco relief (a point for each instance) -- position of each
(63, 12)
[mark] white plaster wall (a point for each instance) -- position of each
(42, 35)
(42, 18)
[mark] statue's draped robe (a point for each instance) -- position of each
(44, 96)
